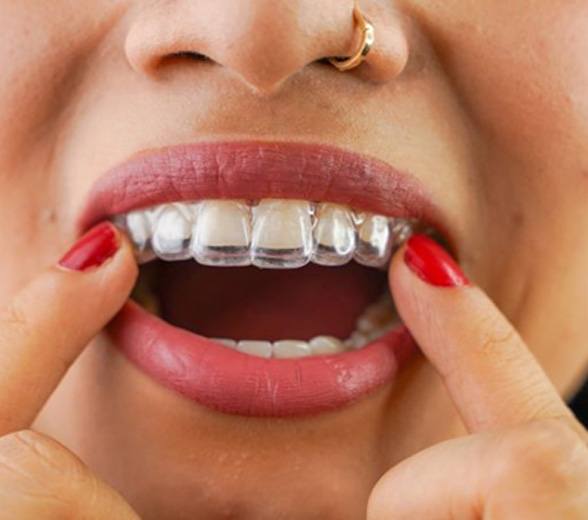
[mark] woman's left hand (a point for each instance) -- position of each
(526, 456)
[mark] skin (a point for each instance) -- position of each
(486, 103)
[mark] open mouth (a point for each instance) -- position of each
(205, 269)
(253, 304)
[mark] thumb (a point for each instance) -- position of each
(41, 479)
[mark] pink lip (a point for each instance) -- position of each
(232, 382)
(219, 377)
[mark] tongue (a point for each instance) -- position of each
(249, 303)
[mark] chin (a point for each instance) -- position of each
(171, 457)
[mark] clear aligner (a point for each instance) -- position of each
(270, 234)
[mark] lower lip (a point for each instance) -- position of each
(235, 383)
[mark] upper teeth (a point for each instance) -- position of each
(269, 234)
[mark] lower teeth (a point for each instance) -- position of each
(317, 346)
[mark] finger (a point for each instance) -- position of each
(492, 377)
(39, 478)
(50, 321)
(535, 471)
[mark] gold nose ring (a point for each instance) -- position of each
(368, 37)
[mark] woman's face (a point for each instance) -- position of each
(484, 103)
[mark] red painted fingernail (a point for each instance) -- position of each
(93, 249)
(431, 263)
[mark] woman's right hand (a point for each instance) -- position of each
(42, 332)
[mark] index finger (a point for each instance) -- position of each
(50, 321)
(491, 375)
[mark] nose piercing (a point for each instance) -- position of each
(368, 36)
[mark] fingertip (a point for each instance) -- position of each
(92, 249)
(402, 284)
(429, 261)
(127, 256)
(102, 245)
(428, 290)
(121, 271)
(420, 263)
(101, 263)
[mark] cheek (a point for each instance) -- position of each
(43, 48)
(44, 51)
(521, 75)
(32, 61)
(524, 76)
(37, 50)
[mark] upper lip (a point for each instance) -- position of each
(255, 170)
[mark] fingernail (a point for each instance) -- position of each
(93, 249)
(431, 263)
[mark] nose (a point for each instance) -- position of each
(264, 42)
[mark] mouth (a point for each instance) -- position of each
(263, 272)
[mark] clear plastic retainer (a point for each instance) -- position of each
(269, 234)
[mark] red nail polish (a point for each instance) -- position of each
(93, 249)
(431, 263)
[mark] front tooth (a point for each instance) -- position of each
(255, 348)
(222, 234)
(325, 345)
(172, 231)
(282, 234)
(374, 243)
(334, 235)
(290, 348)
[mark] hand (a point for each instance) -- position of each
(526, 456)
(41, 333)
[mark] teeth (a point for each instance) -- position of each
(325, 345)
(255, 348)
(334, 235)
(222, 234)
(373, 241)
(272, 234)
(291, 349)
(279, 234)
(282, 234)
(138, 226)
(401, 230)
(172, 232)
(356, 340)
(375, 316)
(231, 343)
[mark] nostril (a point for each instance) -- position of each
(190, 55)
(183, 57)
(324, 61)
